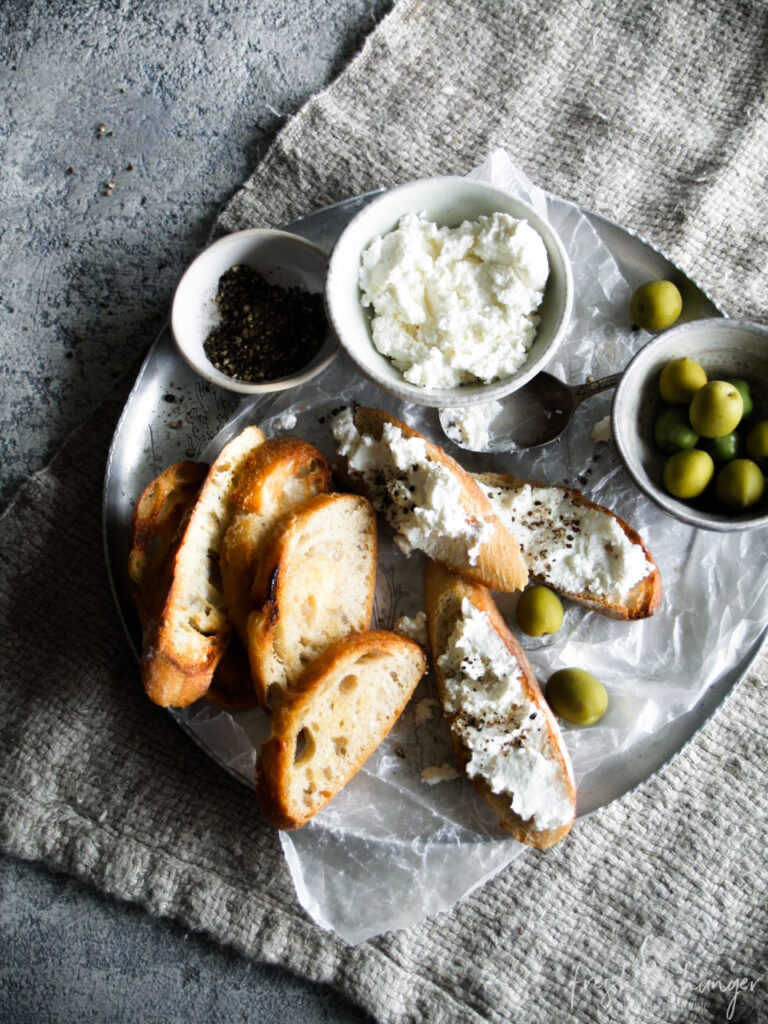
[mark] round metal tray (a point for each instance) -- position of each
(172, 414)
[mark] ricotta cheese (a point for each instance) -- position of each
(419, 497)
(469, 426)
(285, 421)
(571, 546)
(423, 710)
(602, 430)
(413, 628)
(455, 305)
(504, 732)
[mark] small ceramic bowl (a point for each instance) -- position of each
(448, 202)
(282, 258)
(726, 349)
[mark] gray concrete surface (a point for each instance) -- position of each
(69, 957)
(170, 101)
(123, 128)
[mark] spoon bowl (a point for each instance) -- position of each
(535, 415)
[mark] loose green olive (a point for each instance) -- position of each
(740, 484)
(672, 430)
(687, 473)
(723, 449)
(656, 305)
(539, 611)
(576, 696)
(680, 379)
(716, 409)
(757, 442)
(746, 395)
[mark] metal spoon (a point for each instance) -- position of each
(536, 414)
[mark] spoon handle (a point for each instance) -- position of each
(594, 387)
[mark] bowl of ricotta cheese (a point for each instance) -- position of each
(449, 292)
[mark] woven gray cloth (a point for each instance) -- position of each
(651, 113)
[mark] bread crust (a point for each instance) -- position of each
(185, 641)
(443, 594)
(275, 477)
(279, 563)
(641, 601)
(160, 512)
(500, 564)
(162, 507)
(277, 758)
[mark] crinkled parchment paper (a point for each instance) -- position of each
(390, 849)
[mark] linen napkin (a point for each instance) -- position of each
(653, 114)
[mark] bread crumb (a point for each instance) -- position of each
(422, 710)
(439, 773)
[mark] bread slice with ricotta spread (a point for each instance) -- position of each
(429, 500)
(185, 641)
(576, 547)
(314, 584)
(344, 705)
(506, 739)
(278, 475)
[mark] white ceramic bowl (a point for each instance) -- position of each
(725, 348)
(448, 202)
(282, 258)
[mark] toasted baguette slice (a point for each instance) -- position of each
(565, 521)
(159, 513)
(517, 739)
(276, 476)
(183, 645)
(344, 706)
(428, 499)
(315, 584)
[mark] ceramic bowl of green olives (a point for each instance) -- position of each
(690, 421)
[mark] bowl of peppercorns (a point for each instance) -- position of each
(248, 314)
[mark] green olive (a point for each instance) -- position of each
(740, 484)
(723, 449)
(539, 611)
(746, 396)
(716, 409)
(656, 305)
(672, 430)
(680, 379)
(687, 473)
(576, 696)
(757, 442)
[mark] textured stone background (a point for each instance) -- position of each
(190, 93)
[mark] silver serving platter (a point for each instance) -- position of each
(171, 414)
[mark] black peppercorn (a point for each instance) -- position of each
(266, 331)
